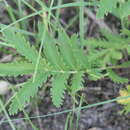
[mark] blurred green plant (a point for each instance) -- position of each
(63, 56)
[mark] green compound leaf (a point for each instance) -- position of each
(110, 6)
(95, 74)
(17, 68)
(79, 55)
(116, 54)
(66, 50)
(77, 82)
(114, 77)
(105, 6)
(28, 90)
(122, 11)
(52, 54)
(58, 88)
(21, 45)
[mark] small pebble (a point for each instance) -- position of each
(95, 128)
(4, 87)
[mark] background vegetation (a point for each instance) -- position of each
(59, 57)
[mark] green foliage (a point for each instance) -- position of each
(95, 74)
(106, 6)
(123, 10)
(21, 45)
(63, 56)
(16, 68)
(119, 8)
(28, 90)
(113, 76)
(77, 82)
(52, 54)
(66, 50)
(58, 87)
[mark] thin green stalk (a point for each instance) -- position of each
(81, 21)
(7, 103)
(46, 10)
(59, 2)
(67, 121)
(20, 8)
(5, 44)
(75, 4)
(23, 24)
(49, 15)
(15, 29)
(45, 18)
(7, 116)
(10, 12)
(45, 21)
(71, 121)
(31, 123)
(19, 20)
(71, 110)
(50, 23)
(78, 112)
(41, 3)
(30, 6)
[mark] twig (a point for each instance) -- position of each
(99, 22)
